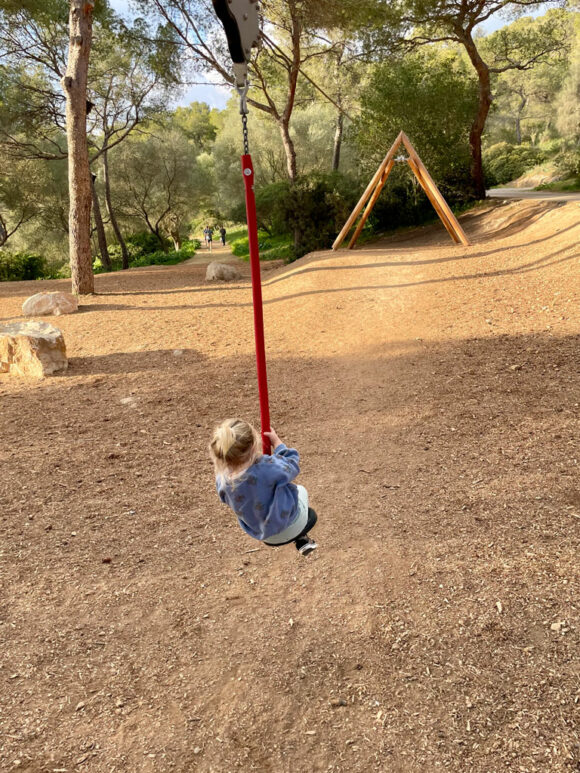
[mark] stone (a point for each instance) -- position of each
(221, 271)
(44, 304)
(32, 349)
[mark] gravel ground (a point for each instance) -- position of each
(433, 392)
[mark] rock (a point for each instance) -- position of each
(32, 349)
(221, 271)
(43, 304)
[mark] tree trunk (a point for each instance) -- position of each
(74, 86)
(3, 232)
(289, 149)
(339, 116)
(337, 141)
(110, 211)
(103, 249)
(478, 124)
(518, 119)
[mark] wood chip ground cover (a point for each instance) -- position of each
(433, 393)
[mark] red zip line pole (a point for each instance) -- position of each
(248, 172)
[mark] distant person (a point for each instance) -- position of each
(209, 237)
(223, 235)
(205, 231)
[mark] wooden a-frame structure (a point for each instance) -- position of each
(376, 185)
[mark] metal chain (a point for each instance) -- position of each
(245, 133)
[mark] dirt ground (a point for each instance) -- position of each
(433, 392)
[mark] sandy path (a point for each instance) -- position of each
(526, 194)
(433, 393)
(218, 252)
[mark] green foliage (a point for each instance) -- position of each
(161, 258)
(143, 249)
(565, 186)
(504, 162)
(316, 208)
(432, 99)
(300, 217)
(271, 247)
(311, 211)
(18, 266)
(198, 122)
(568, 163)
(525, 99)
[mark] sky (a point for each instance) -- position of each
(217, 96)
(214, 96)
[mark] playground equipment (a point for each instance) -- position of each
(241, 25)
(377, 183)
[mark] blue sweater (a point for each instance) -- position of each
(262, 497)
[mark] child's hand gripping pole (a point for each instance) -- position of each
(248, 172)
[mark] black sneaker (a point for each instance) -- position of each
(307, 548)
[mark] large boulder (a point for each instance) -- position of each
(221, 271)
(32, 349)
(43, 304)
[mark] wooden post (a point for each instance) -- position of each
(436, 193)
(363, 199)
(433, 200)
(371, 203)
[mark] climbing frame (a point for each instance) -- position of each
(377, 183)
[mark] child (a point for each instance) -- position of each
(258, 487)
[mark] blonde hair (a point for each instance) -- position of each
(234, 446)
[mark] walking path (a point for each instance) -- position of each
(529, 193)
(218, 252)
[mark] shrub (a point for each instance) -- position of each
(167, 258)
(271, 247)
(18, 266)
(63, 272)
(504, 162)
(139, 258)
(568, 163)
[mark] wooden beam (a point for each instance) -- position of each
(371, 204)
(442, 216)
(436, 193)
(369, 189)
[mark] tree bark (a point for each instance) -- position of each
(110, 211)
(74, 86)
(289, 149)
(337, 141)
(518, 118)
(483, 106)
(101, 236)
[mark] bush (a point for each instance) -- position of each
(568, 163)
(504, 162)
(271, 247)
(136, 245)
(63, 272)
(18, 266)
(160, 258)
(308, 213)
